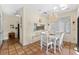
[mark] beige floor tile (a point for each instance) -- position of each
(4, 52)
(29, 53)
(20, 51)
(13, 52)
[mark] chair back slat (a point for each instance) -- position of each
(61, 39)
(43, 36)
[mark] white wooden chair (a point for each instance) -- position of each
(45, 41)
(59, 42)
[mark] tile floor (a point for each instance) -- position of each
(14, 48)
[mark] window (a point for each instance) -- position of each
(65, 24)
(62, 25)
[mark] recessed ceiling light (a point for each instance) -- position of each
(63, 6)
(55, 8)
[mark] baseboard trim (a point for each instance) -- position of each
(29, 43)
(70, 42)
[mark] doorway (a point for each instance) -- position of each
(18, 32)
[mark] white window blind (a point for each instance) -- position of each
(62, 25)
(65, 24)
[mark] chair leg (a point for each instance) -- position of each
(55, 47)
(51, 46)
(59, 49)
(41, 46)
(47, 50)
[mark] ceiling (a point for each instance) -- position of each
(12, 8)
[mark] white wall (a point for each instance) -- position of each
(1, 38)
(29, 17)
(8, 20)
